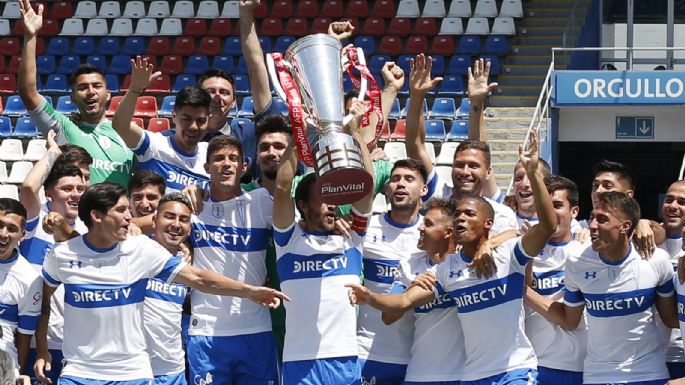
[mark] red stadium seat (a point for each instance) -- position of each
(196, 27)
(62, 10)
(426, 27)
(282, 9)
(9, 46)
(220, 27)
(385, 132)
(383, 8)
(416, 44)
(353, 20)
(50, 28)
(210, 46)
(358, 8)
(307, 8)
(146, 107)
(8, 84)
(13, 66)
(2, 64)
(443, 45)
(297, 26)
(139, 122)
(158, 125)
(400, 131)
(261, 11)
(320, 25)
(113, 105)
(400, 26)
(333, 8)
(158, 46)
(160, 84)
(172, 64)
(271, 26)
(40, 46)
(390, 45)
(184, 46)
(374, 26)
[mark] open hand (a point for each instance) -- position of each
(266, 296)
(142, 73)
(478, 81)
(530, 158)
(33, 21)
(420, 82)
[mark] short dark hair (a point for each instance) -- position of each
(272, 124)
(446, 206)
(413, 165)
(99, 197)
(216, 73)
(543, 166)
(556, 183)
(142, 177)
(621, 170)
(192, 96)
(74, 154)
(303, 192)
(623, 203)
(61, 170)
(85, 69)
(221, 141)
(473, 144)
(13, 206)
(487, 207)
(175, 197)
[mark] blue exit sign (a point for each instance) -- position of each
(634, 127)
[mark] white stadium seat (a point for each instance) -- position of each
(231, 10)
(511, 8)
(504, 26)
(431, 151)
(460, 8)
(395, 151)
(86, 9)
(446, 155)
(4, 27)
(97, 27)
(380, 204)
(9, 191)
(122, 27)
(110, 10)
(208, 9)
(146, 27)
(445, 173)
(434, 8)
(134, 9)
(485, 8)
(3, 172)
(19, 171)
(183, 9)
(451, 26)
(72, 27)
(408, 8)
(478, 26)
(11, 11)
(35, 150)
(159, 9)
(11, 149)
(171, 27)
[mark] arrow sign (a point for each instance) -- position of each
(635, 127)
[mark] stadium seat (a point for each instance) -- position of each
(108, 46)
(139, 122)
(161, 84)
(159, 10)
(146, 26)
(459, 130)
(13, 66)
(443, 108)
(395, 151)
(377, 62)
(281, 105)
(390, 45)
(333, 8)
(45, 64)
(469, 45)
(2, 65)
(9, 191)
(120, 65)
(495, 65)
(231, 9)
(5, 28)
(197, 64)
(307, 9)
(86, 10)
(83, 46)
(442, 45)
(451, 85)
(496, 45)
(242, 66)
(167, 108)
(380, 204)
(374, 26)
(434, 8)
(50, 28)
(110, 10)
(97, 27)
(464, 108)
(98, 61)
(112, 82)
(71, 27)
(113, 105)
(296, 26)
(485, 8)
(14, 106)
(58, 46)
(320, 25)
(220, 27)
(9, 46)
(246, 108)
(207, 9)
(224, 62)
(435, 130)
(367, 43)
(446, 155)
(122, 27)
(459, 64)
(394, 113)
(430, 148)
(11, 150)
(385, 132)
(195, 27)
(418, 44)
(282, 9)
(504, 26)
(183, 45)
(210, 46)
(478, 26)
(56, 83)
(134, 9)
(425, 26)
(383, 9)
(183, 9)
(19, 171)
(438, 65)
(232, 46)
(62, 10)
(5, 128)
(445, 173)
(183, 80)
(511, 8)
(408, 8)
(25, 128)
(399, 26)
(242, 84)
(451, 26)
(65, 106)
(403, 62)
(146, 107)
(283, 42)
(271, 27)
(134, 45)
(403, 112)
(460, 8)
(171, 27)
(400, 130)
(158, 46)
(11, 11)
(158, 125)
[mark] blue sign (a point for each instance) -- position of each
(576, 88)
(634, 127)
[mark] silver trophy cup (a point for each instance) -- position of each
(315, 64)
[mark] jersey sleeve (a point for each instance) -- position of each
(46, 118)
(148, 145)
(664, 271)
(50, 271)
(498, 196)
(521, 258)
(282, 236)
(162, 264)
(29, 307)
(572, 296)
(31, 226)
(266, 206)
(435, 185)
(270, 109)
(505, 219)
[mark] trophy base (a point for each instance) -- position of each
(343, 185)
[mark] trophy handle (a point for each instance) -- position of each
(362, 87)
(271, 67)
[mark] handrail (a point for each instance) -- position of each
(682, 169)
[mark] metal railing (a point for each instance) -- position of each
(630, 57)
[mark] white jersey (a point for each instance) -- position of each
(672, 339)
(103, 312)
(619, 297)
(436, 324)
(231, 238)
(386, 244)
(313, 269)
(162, 313)
(504, 220)
(159, 153)
(21, 292)
(491, 311)
(555, 347)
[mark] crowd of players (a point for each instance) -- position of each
(452, 285)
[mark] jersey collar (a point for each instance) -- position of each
(400, 225)
(13, 258)
(620, 261)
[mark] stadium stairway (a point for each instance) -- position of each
(541, 29)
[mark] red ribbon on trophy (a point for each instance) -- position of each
(373, 91)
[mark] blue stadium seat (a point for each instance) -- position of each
(112, 82)
(443, 108)
(452, 85)
(347, 84)
(495, 66)
(367, 43)
(25, 128)
(232, 46)
(438, 65)
(464, 108)
(459, 130)
(167, 108)
(14, 106)
(46, 64)
(403, 112)
(134, 45)
(405, 89)
(233, 112)
(377, 62)
(469, 44)
(246, 108)
(244, 122)
(58, 46)
(224, 62)
(459, 64)
(98, 61)
(5, 126)
(265, 43)
(83, 46)
(120, 65)
(283, 42)
(242, 66)
(56, 83)
(281, 106)
(183, 80)
(68, 64)
(395, 110)
(435, 130)
(65, 105)
(109, 46)
(242, 84)
(197, 64)
(403, 62)
(496, 45)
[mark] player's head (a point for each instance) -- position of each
(523, 193)
(12, 221)
(673, 208)
(145, 189)
(471, 167)
(89, 92)
(407, 185)
(273, 136)
(225, 164)
(191, 116)
(436, 229)
(473, 219)
(564, 195)
(172, 221)
(104, 208)
(63, 187)
(612, 176)
(613, 219)
(221, 88)
(79, 157)
(317, 215)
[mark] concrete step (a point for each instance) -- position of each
(533, 59)
(507, 134)
(513, 101)
(525, 40)
(507, 123)
(514, 112)
(506, 80)
(504, 145)
(505, 156)
(525, 49)
(538, 21)
(538, 70)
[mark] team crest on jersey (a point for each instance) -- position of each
(217, 210)
(105, 142)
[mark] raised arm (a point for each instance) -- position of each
(568, 317)
(254, 57)
(30, 188)
(284, 206)
(534, 240)
(414, 296)
(26, 82)
(142, 72)
(420, 83)
(364, 204)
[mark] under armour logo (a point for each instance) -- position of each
(198, 380)
(75, 264)
(372, 381)
(590, 274)
(457, 273)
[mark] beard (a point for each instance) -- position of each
(269, 174)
